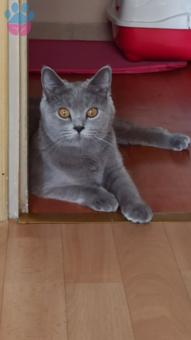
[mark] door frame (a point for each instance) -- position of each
(13, 111)
(3, 114)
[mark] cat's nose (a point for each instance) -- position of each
(79, 128)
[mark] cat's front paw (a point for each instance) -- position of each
(137, 213)
(104, 201)
(179, 142)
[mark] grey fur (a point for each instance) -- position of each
(87, 167)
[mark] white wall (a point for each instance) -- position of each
(69, 11)
(70, 19)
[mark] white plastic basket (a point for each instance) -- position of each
(175, 14)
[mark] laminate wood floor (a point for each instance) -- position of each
(106, 281)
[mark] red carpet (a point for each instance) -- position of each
(87, 57)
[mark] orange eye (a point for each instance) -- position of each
(91, 113)
(64, 113)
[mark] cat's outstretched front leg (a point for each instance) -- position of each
(127, 133)
(119, 182)
(95, 197)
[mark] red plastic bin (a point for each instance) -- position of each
(152, 30)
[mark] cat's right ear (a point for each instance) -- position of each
(50, 80)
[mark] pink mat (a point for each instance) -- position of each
(88, 57)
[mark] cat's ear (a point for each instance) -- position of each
(102, 79)
(50, 80)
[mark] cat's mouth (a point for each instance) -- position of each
(80, 135)
(77, 137)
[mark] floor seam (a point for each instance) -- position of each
(122, 282)
(63, 275)
(4, 272)
(177, 264)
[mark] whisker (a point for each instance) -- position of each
(92, 136)
(103, 140)
(58, 141)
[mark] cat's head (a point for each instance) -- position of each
(76, 111)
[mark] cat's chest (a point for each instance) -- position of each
(77, 168)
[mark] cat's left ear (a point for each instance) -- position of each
(50, 80)
(102, 79)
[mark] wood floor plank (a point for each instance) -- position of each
(34, 296)
(89, 253)
(98, 311)
(3, 250)
(157, 298)
(179, 235)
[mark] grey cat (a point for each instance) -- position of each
(74, 155)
